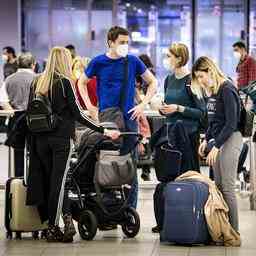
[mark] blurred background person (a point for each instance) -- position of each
(18, 89)
(10, 61)
(246, 67)
(72, 50)
(78, 67)
(143, 124)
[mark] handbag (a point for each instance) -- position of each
(113, 169)
(167, 163)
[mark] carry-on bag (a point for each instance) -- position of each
(184, 219)
(18, 216)
(167, 163)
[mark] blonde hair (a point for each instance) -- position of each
(59, 62)
(82, 62)
(205, 64)
(180, 50)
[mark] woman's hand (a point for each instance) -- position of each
(202, 148)
(113, 134)
(169, 109)
(212, 156)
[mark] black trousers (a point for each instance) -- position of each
(54, 155)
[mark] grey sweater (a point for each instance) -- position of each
(18, 88)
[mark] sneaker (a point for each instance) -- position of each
(155, 229)
(54, 234)
(69, 229)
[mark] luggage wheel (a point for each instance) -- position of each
(43, 234)
(18, 235)
(35, 235)
(9, 235)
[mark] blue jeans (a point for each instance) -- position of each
(129, 142)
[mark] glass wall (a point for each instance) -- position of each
(252, 30)
(219, 24)
(153, 25)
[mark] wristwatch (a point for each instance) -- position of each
(178, 108)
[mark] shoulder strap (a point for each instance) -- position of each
(188, 88)
(124, 85)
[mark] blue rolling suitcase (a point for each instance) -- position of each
(184, 219)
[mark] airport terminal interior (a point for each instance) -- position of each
(207, 27)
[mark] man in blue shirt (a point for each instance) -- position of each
(109, 69)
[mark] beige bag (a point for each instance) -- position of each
(20, 217)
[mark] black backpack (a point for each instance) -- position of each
(40, 116)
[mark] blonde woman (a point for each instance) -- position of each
(50, 152)
(78, 67)
(223, 135)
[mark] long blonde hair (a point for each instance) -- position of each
(79, 65)
(205, 64)
(59, 62)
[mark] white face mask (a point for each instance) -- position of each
(167, 64)
(122, 50)
(237, 55)
(4, 57)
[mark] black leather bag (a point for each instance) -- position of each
(167, 163)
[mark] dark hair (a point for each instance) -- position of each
(70, 47)
(10, 50)
(146, 60)
(25, 60)
(114, 32)
(240, 44)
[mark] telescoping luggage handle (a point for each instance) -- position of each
(26, 165)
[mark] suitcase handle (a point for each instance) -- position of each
(10, 205)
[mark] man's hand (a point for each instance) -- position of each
(202, 148)
(168, 109)
(93, 112)
(113, 134)
(212, 156)
(137, 111)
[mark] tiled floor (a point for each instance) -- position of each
(114, 243)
